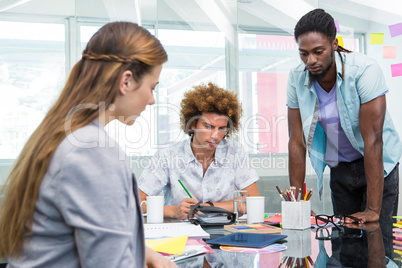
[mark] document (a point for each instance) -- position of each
(188, 252)
(217, 218)
(174, 229)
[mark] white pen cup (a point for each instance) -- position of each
(154, 209)
(255, 209)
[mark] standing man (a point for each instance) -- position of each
(210, 166)
(337, 112)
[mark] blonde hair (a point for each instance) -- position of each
(115, 48)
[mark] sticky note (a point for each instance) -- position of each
(395, 29)
(336, 25)
(340, 41)
(396, 70)
(376, 39)
(172, 245)
(389, 52)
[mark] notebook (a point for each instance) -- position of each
(247, 240)
(258, 228)
(174, 229)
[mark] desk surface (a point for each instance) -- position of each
(367, 251)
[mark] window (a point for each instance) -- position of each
(32, 73)
(265, 61)
(194, 57)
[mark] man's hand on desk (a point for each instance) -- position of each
(365, 216)
(154, 259)
(180, 212)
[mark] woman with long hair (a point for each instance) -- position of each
(71, 198)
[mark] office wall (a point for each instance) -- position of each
(246, 46)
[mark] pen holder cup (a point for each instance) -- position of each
(296, 215)
(299, 243)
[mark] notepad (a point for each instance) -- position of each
(171, 245)
(174, 229)
(258, 228)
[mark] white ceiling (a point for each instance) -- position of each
(251, 13)
(354, 16)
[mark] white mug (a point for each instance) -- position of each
(255, 209)
(154, 209)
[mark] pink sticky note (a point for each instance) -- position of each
(396, 70)
(389, 52)
(336, 25)
(395, 29)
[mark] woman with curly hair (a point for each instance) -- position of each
(210, 166)
(71, 201)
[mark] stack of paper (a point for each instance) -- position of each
(174, 230)
(397, 233)
(175, 247)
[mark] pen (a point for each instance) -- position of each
(185, 189)
(299, 196)
(292, 195)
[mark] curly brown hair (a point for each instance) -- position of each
(210, 99)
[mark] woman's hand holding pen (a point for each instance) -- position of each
(183, 208)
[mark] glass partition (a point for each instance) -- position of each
(32, 71)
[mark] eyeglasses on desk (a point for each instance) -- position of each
(338, 221)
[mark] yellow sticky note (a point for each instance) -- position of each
(389, 52)
(340, 41)
(376, 39)
(172, 245)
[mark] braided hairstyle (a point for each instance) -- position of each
(94, 80)
(318, 21)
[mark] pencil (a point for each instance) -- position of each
(310, 193)
(185, 189)
(279, 190)
(305, 196)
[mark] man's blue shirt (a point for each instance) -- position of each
(363, 81)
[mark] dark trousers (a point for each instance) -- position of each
(349, 195)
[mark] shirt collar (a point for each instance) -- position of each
(97, 122)
(219, 154)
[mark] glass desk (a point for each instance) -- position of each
(336, 249)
